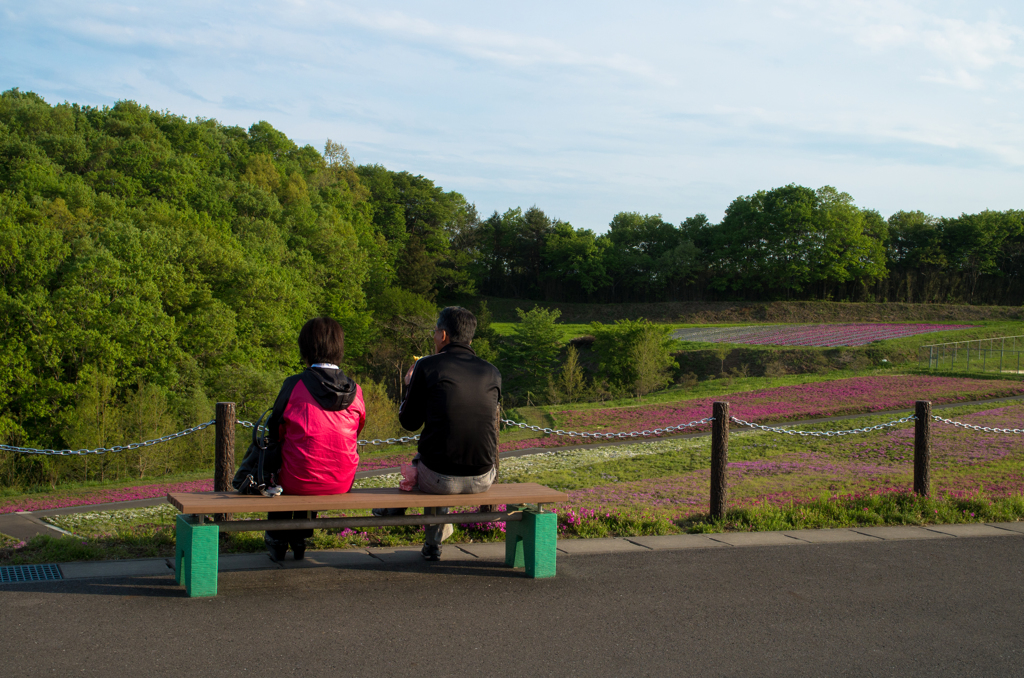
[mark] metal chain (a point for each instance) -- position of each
(823, 434)
(375, 441)
(985, 429)
(104, 450)
(539, 429)
(389, 441)
(606, 436)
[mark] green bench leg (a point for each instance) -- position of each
(195, 556)
(530, 543)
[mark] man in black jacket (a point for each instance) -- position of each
(454, 395)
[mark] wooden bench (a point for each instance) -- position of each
(530, 532)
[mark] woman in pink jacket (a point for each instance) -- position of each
(316, 419)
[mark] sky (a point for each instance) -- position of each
(584, 109)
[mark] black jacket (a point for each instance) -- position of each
(454, 395)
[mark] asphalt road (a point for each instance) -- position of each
(942, 607)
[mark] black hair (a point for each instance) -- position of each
(458, 322)
(322, 340)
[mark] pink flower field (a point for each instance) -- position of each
(963, 463)
(845, 334)
(875, 459)
(785, 403)
(55, 500)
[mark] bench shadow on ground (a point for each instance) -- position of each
(163, 586)
(411, 562)
(157, 586)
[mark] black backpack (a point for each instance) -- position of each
(262, 462)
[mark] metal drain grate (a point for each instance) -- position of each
(15, 574)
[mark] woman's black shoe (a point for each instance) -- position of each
(276, 548)
(299, 549)
(431, 553)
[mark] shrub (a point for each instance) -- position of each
(634, 354)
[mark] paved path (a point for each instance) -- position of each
(871, 602)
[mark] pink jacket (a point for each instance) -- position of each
(321, 415)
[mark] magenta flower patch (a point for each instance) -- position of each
(55, 500)
(843, 334)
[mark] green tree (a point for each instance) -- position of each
(485, 338)
(530, 356)
(511, 252)
(634, 355)
(652, 364)
(793, 240)
(140, 247)
(572, 380)
(574, 262)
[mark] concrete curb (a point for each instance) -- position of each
(374, 558)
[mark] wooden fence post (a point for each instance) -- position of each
(224, 456)
(719, 458)
(922, 447)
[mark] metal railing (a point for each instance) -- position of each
(995, 354)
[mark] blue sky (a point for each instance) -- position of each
(584, 109)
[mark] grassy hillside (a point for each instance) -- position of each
(504, 310)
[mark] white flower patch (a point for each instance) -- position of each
(518, 469)
(165, 513)
(386, 480)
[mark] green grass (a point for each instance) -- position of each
(749, 312)
(577, 469)
(984, 329)
(540, 414)
(866, 511)
(570, 330)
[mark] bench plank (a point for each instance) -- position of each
(392, 497)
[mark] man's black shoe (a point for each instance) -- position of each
(299, 549)
(431, 553)
(276, 548)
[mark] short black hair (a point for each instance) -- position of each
(458, 322)
(322, 340)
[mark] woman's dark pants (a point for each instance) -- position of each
(289, 536)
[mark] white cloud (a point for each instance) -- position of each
(960, 52)
(509, 49)
(662, 107)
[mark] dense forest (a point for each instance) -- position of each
(791, 243)
(152, 264)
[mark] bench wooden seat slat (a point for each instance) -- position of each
(392, 497)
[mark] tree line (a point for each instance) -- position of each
(791, 243)
(153, 264)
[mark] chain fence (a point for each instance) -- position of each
(878, 427)
(823, 434)
(984, 429)
(539, 429)
(606, 436)
(104, 450)
(376, 441)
